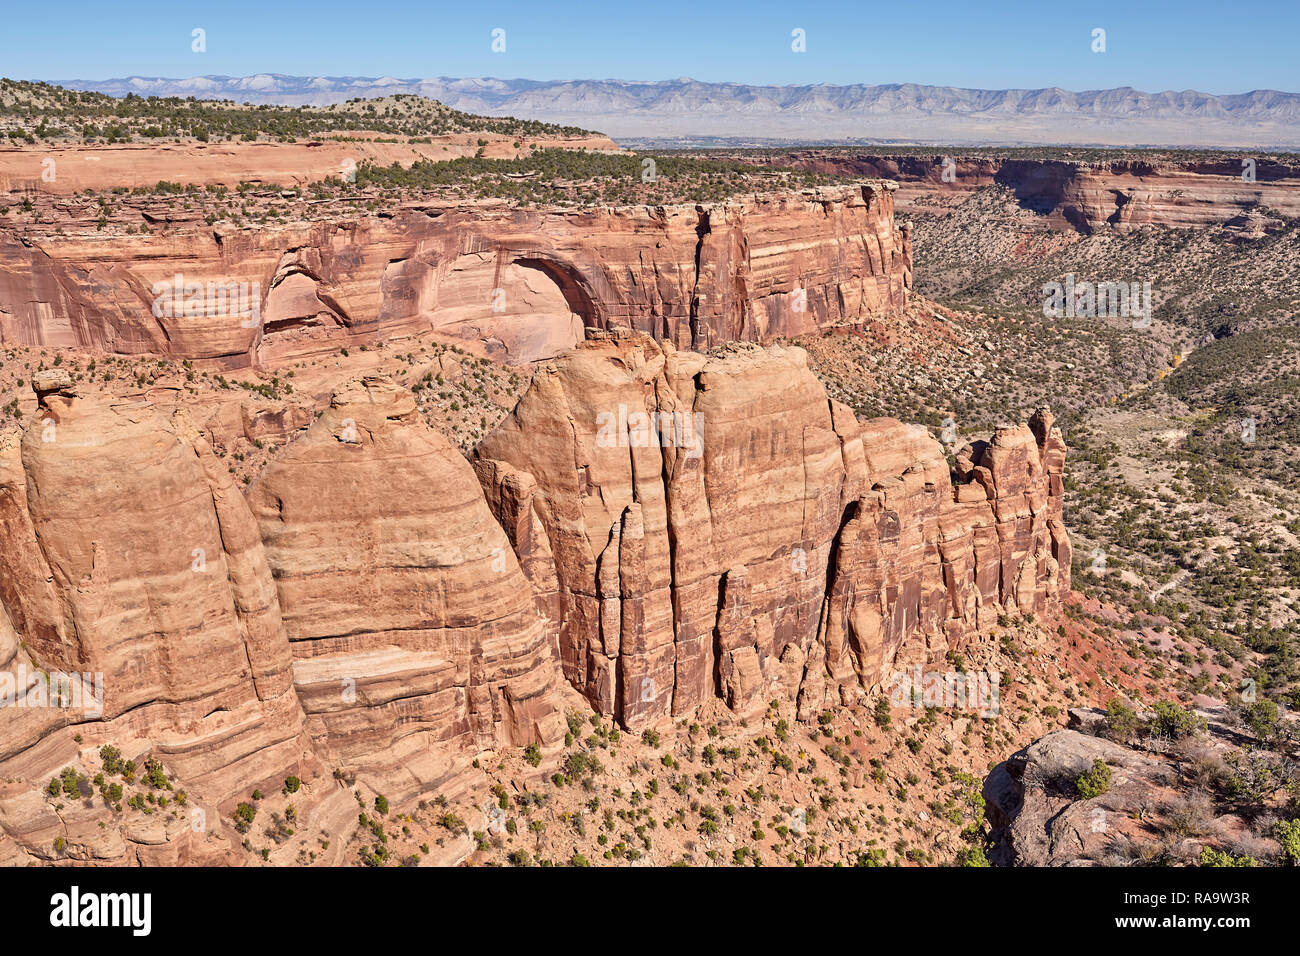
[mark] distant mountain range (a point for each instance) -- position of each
(690, 112)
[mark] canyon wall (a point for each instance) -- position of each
(130, 555)
(524, 283)
(713, 526)
(653, 529)
(1121, 194)
(409, 620)
(365, 619)
(230, 163)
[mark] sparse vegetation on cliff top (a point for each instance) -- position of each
(41, 112)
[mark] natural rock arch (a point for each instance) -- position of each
(523, 306)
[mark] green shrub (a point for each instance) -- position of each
(972, 856)
(1213, 857)
(111, 758)
(882, 712)
(1121, 722)
(449, 821)
(1174, 721)
(1261, 717)
(1287, 833)
(1095, 782)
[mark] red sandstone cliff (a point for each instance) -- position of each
(414, 640)
(130, 554)
(696, 276)
(1120, 194)
(743, 536)
(671, 527)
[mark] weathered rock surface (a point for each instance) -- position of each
(414, 636)
(230, 163)
(660, 529)
(1121, 195)
(717, 528)
(130, 560)
(1038, 819)
(523, 282)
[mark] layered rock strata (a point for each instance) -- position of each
(660, 529)
(414, 636)
(132, 568)
(1122, 195)
(384, 631)
(713, 526)
(524, 283)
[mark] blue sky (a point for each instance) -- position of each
(1214, 47)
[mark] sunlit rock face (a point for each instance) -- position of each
(522, 284)
(713, 526)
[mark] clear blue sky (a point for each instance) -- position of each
(1215, 47)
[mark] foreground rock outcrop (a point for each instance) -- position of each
(718, 528)
(1169, 793)
(522, 282)
(1038, 819)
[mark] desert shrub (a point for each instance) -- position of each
(154, 775)
(1287, 833)
(1176, 722)
(1250, 777)
(882, 712)
(1121, 723)
(1261, 717)
(1190, 815)
(111, 759)
(1213, 857)
(972, 856)
(1095, 782)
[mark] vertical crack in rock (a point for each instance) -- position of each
(714, 268)
(896, 564)
(154, 590)
(699, 336)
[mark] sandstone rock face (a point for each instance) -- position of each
(414, 635)
(524, 283)
(386, 627)
(658, 528)
(86, 167)
(1121, 195)
(131, 561)
(715, 527)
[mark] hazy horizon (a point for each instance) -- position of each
(647, 81)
